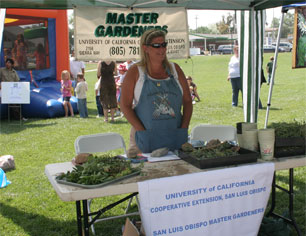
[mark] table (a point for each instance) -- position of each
(150, 171)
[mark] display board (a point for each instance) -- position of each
(299, 41)
(15, 92)
(114, 33)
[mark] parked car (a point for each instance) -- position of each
(286, 46)
(271, 48)
(225, 49)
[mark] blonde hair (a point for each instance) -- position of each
(146, 39)
(65, 72)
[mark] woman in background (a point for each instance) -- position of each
(107, 70)
(234, 76)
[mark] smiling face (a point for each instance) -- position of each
(156, 54)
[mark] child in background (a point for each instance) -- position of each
(193, 89)
(66, 86)
(98, 102)
(269, 69)
(119, 80)
(80, 90)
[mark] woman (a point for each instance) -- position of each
(107, 70)
(234, 76)
(158, 89)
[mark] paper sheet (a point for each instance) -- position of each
(169, 157)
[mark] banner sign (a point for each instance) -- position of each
(299, 41)
(15, 92)
(228, 201)
(114, 34)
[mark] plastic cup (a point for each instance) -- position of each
(240, 140)
(248, 126)
(266, 138)
(250, 140)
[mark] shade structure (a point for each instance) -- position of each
(251, 32)
(251, 29)
(188, 4)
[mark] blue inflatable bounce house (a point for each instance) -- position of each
(37, 40)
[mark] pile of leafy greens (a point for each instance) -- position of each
(98, 170)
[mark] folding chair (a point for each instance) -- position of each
(207, 132)
(96, 143)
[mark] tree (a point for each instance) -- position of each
(226, 25)
(71, 31)
(201, 30)
(288, 24)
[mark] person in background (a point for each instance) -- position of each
(8, 74)
(263, 80)
(107, 70)
(66, 86)
(20, 51)
(121, 74)
(80, 91)
(269, 69)
(128, 64)
(75, 68)
(40, 55)
(193, 89)
(153, 93)
(98, 102)
(234, 76)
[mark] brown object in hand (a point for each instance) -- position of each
(81, 158)
(132, 153)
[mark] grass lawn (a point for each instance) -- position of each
(30, 206)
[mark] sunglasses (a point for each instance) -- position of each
(158, 45)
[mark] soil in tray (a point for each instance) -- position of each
(288, 151)
(244, 156)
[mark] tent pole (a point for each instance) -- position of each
(253, 60)
(273, 68)
(2, 19)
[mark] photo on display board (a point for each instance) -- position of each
(299, 42)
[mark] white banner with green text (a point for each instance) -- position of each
(229, 201)
(114, 33)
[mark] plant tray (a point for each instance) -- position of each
(288, 151)
(290, 142)
(245, 156)
(97, 185)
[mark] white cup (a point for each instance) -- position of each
(266, 138)
(250, 140)
(248, 126)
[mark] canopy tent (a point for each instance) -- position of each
(251, 28)
(188, 4)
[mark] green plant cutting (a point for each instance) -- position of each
(98, 170)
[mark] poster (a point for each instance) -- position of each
(15, 92)
(114, 33)
(229, 201)
(299, 40)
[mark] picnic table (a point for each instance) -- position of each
(152, 171)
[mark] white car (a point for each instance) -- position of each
(286, 46)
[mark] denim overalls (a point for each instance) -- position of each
(159, 109)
